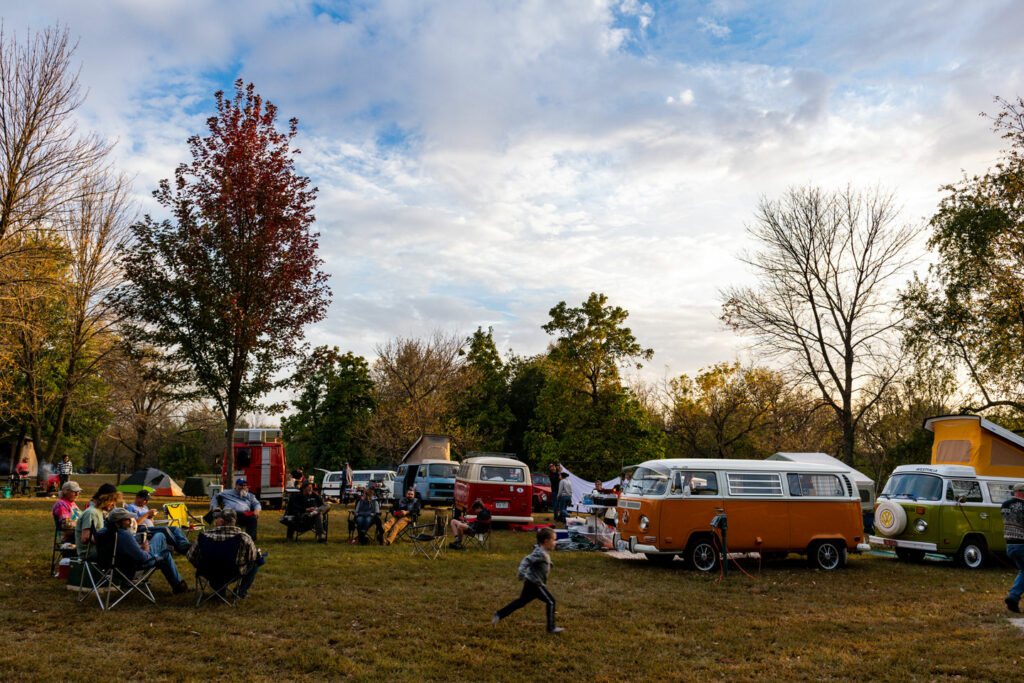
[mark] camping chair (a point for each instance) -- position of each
(481, 540)
(177, 514)
(297, 527)
(61, 549)
(112, 574)
(405, 531)
(352, 530)
(217, 573)
(430, 540)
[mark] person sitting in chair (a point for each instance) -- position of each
(246, 506)
(66, 511)
(366, 513)
(248, 558)
(402, 513)
(144, 519)
(94, 517)
(480, 525)
(152, 551)
(306, 510)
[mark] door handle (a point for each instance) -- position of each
(984, 515)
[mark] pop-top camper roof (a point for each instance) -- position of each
(858, 478)
(972, 440)
(428, 447)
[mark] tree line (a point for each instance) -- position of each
(131, 340)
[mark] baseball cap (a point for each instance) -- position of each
(1018, 487)
(241, 480)
(71, 486)
(118, 515)
(143, 494)
(106, 489)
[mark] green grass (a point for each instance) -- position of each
(335, 611)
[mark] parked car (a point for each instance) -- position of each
(433, 481)
(541, 492)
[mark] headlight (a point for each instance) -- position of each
(920, 525)
(543, 496)
(643, 523)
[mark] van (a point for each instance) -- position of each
(260, 460)
(942, 509)
(502, 484)
(770, 507)
(333, 481)
(433, 481)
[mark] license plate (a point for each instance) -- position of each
(889, 542)
(501, 505)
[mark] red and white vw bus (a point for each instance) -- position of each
(259, 458)
(502, 483)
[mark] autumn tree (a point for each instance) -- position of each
(723, 410)
(825, 303)
(970, 307)
(332, 410)
(416, 382)
(228, 284)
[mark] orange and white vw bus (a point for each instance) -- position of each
(771, 507)
(503, 485)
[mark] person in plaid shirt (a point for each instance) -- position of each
(64, 468)
(248, 559)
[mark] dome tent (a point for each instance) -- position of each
(157, 482)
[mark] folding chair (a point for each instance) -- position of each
(217, 573)
(112, 574)
(177, 514)
(405, 531)
(61, 549)
(298, 527)
(430, 540)
(352, 530)
(481, 540)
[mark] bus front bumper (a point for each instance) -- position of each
(900, 543)
(635, 547)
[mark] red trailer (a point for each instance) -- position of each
(259, 458)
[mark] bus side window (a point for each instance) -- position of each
(794, 485)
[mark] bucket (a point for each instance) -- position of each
(5, 492)
(64, 568)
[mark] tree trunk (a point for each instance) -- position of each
(140, 447)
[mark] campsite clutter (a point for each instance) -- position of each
(709, 513)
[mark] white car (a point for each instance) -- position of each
(360, 478)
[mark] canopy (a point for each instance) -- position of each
(155, 481)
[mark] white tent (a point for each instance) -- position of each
(582, 488)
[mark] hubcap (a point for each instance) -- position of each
(828, 557)
(704, 557)
(972, 556)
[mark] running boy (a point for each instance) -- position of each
(533, 572)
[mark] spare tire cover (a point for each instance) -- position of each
(890, 518)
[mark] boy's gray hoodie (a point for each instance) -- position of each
(535, 566)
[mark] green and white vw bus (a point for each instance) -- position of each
(945, 509)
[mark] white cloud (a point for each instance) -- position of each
(713, 28)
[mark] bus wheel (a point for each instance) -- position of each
(702, 555)
(663, 559)
(909, 554)
(971, 554)
(828, 555)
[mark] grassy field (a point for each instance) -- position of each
(336, 611)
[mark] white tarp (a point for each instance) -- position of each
(582, 488)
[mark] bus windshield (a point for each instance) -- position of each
(913, 486)
(444, 471)
(647, 482)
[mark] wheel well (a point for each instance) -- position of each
(699, 536)
(977, 539)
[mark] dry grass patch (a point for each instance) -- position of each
(337, 611)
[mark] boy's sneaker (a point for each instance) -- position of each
(495, 620)
(556, 629)
(1012, 605)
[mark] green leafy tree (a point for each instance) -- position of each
(971, 307)
(482, 407)
(332, 411)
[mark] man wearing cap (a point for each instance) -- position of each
(248, 558)
(153, 551)
(94, 516)
(1013, 532)
(246, 506)
(144, 518)
(66, 511)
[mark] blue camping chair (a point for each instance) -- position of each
(116, 575)
(217, 574)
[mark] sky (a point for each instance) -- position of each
(479, 161)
